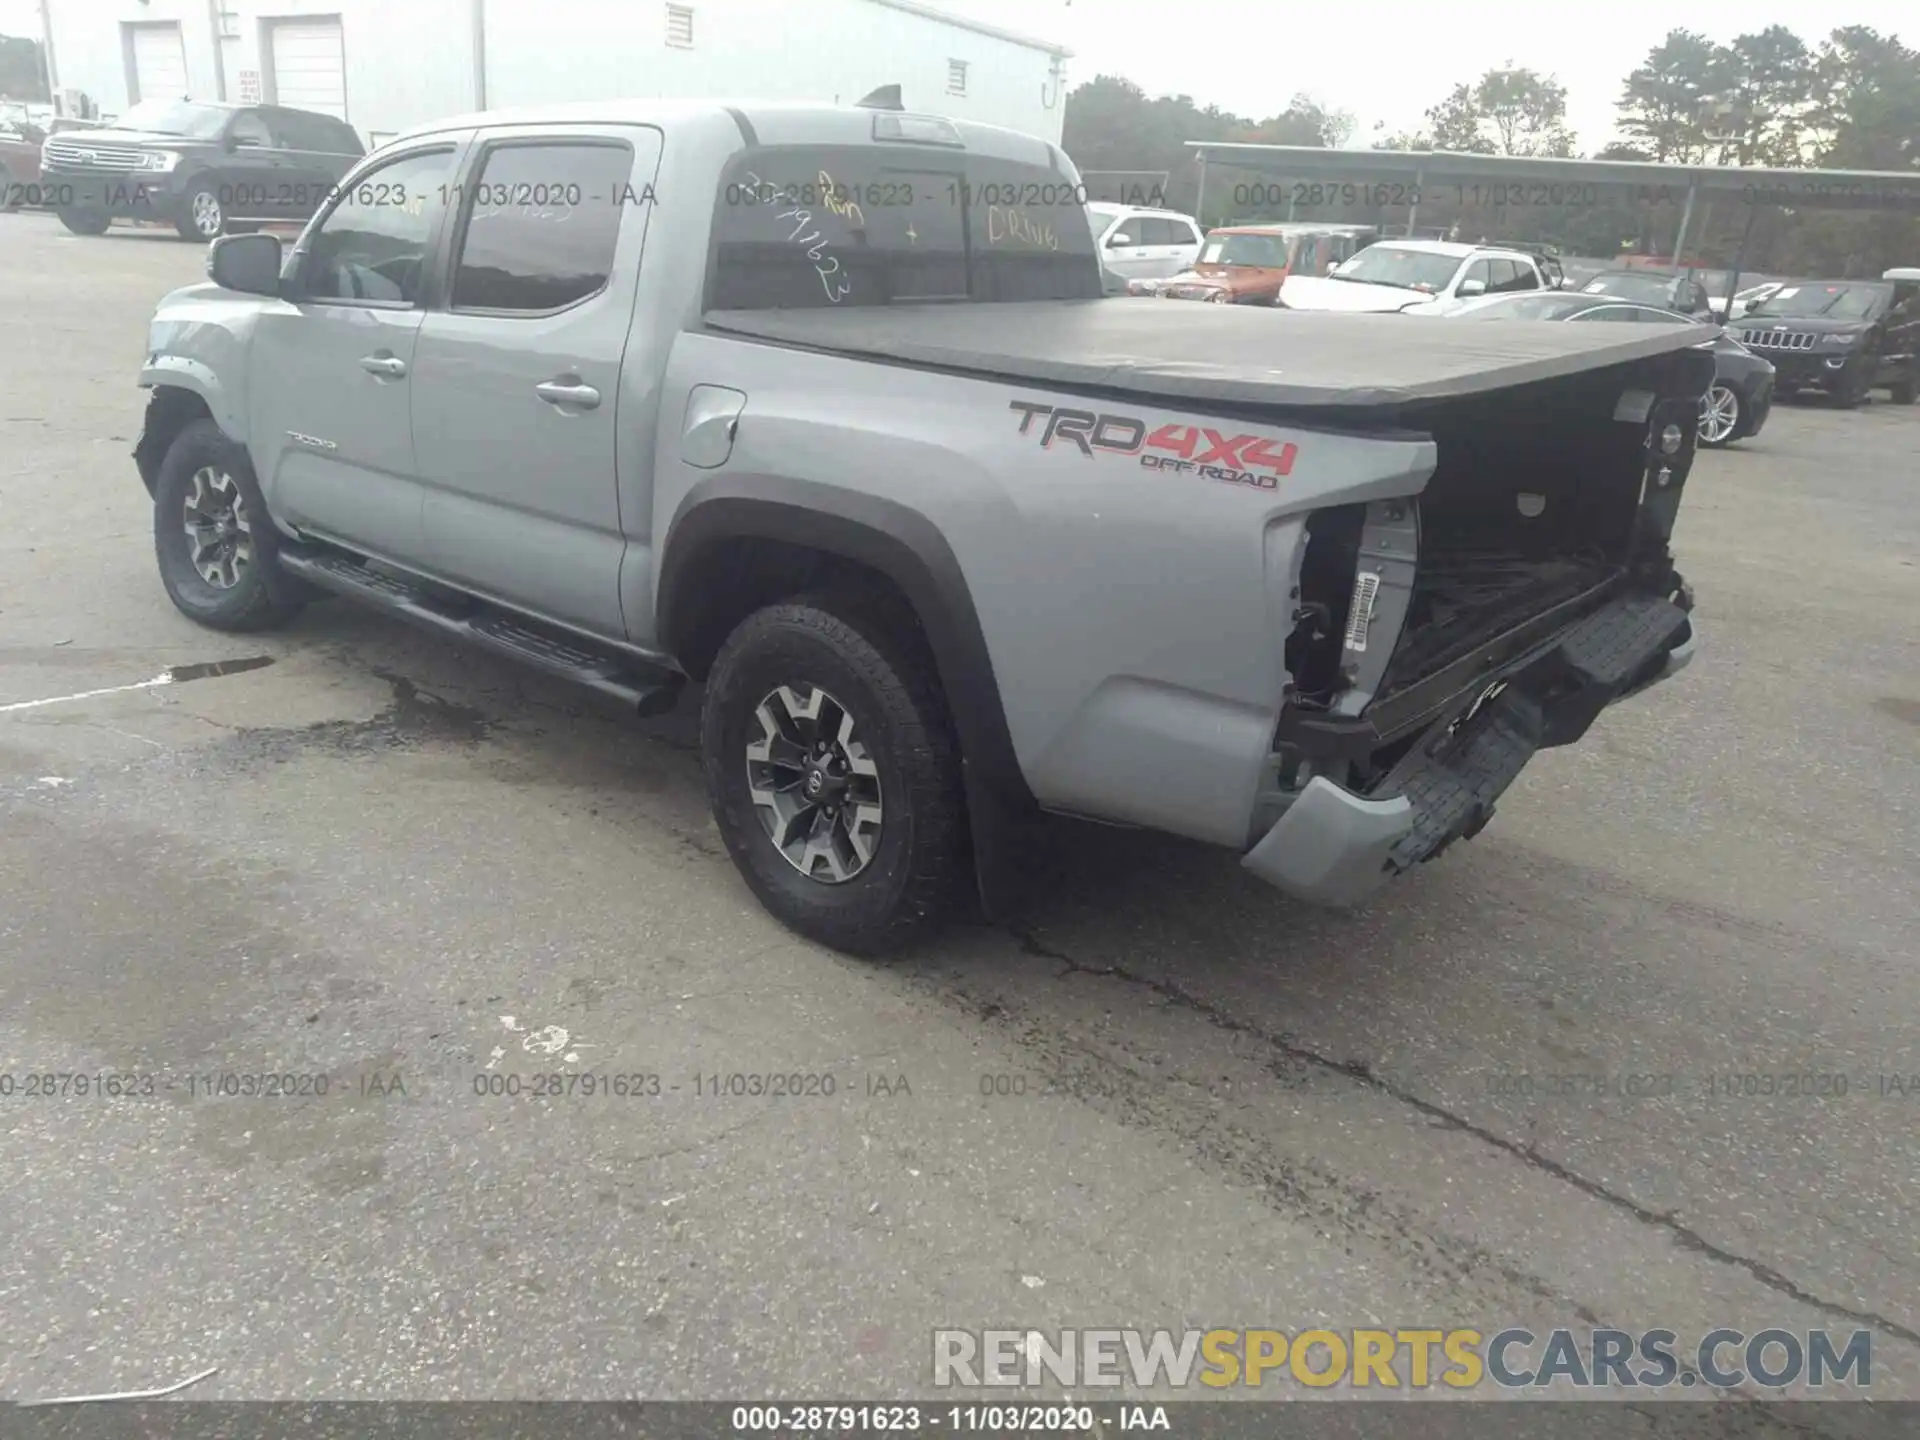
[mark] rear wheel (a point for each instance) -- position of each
(1720, 415)
(83, 220)
(833, 773)
(217, 548)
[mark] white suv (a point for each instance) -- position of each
(1407, 274)
(1141, 244)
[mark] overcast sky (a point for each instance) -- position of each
(1388, 60)
(1384, 60)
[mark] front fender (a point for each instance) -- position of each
(197, 378)
(199, 342)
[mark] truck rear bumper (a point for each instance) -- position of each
(1335, 847)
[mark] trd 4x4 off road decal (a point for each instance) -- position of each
(1185, 449)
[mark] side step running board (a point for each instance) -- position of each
(650, 690)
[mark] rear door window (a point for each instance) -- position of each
(809, 226)
(1154, 230)
(541, 226)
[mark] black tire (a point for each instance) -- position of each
(847, 646)
(1906, 388)
(84, 221)
(200, 196)
(1851, 393)
(263, 596)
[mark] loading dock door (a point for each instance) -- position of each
(159, 59)
(309, 66)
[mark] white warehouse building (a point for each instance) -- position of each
(385, 66)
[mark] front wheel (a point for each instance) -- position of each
(1720, 416)
(1906, 387)
(834, 775)
(217, 548)
(202, 217)
(1851, 392)
(82, 220)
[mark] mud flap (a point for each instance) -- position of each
(1005, 843)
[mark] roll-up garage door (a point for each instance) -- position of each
(309, 66)
(159, 62)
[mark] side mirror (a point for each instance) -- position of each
(1332, 265)
(249, 264)
(1120, 241)
(1470, 288)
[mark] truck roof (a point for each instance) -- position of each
(759, 121)
(1213, 353)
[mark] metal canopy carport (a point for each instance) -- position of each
(1755, 185)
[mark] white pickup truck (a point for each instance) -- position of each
(822, 407)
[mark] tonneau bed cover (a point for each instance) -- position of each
(1220, 353)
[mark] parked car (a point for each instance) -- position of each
(206, 169)
(1742, 300)
(1843, 337)
(1544, 255)
(19, 163)
(871, 481)
(1662, 289)
(1401, 274)
(1143, 244)
(1247, 264)
(1742, 393)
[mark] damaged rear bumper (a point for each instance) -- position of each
(1333, 846)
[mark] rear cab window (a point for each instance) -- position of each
(813, 226)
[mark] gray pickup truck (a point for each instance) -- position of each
(824, 407)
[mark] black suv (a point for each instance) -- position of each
(1842, 336)
(207, 169)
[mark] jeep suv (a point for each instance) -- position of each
(1845, 337)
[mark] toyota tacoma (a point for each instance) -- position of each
(823, 408)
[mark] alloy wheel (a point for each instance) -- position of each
(218, 529)
(206, 214)
(814, 784)
(1719, 413)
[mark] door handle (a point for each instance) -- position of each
(390, 366)
(557, 392)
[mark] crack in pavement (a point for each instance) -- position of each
(1358, 1070)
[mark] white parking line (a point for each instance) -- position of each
(165, 677)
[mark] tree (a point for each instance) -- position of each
(1865, 113)
(1418, 140)
(23, 76)
(1509, 111)
(1665, 100)
(1527, 110)
(1456, 123)
(1112, 125)
(1760, 98)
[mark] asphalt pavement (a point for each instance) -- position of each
(1569, 1074)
